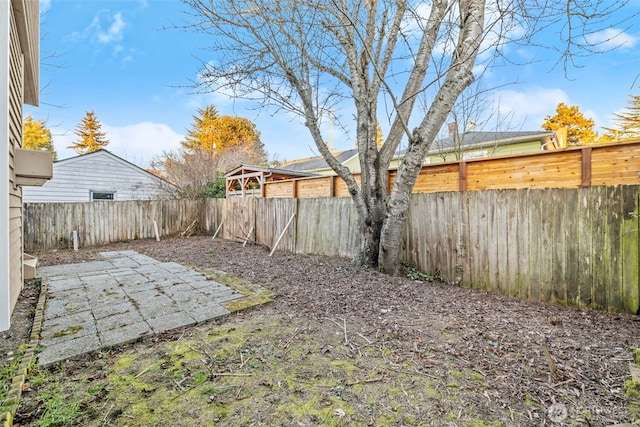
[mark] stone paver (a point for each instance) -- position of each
(127, 296)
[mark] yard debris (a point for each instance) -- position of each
(439, 353)
(191, 230)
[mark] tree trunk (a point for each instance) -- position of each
(370, 226)
(391, 233)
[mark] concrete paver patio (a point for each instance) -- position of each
(101, 304)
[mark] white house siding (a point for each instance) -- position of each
(19, 23)
(75, 178)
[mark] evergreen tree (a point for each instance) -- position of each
(213, 145)
(91, 138)
(37, 136)
(202, 131)
(216, 133)
(628, 122)
(579, 128)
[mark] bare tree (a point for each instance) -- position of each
(377, 57)
(193, 173)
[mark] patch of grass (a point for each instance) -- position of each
(7, 372)
(255, 370)
(414, 274)
(57, 406)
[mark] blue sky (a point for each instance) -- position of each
(116, 57)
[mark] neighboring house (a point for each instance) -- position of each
(97, 176)
(475, 145)
(318, 165)
(19, 84)
(470, 145)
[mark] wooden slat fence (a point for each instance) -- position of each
(573, 246)
(610, 164)
(51, 225)
(577, 246)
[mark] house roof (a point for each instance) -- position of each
(480, 139)
(103, 152)
(318, 162)
(27, 18)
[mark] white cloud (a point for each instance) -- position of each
(45, 5)
(141, 142)
(138, 143)
(95, 30)
(612, 38)
(115, 31)
(527, 109)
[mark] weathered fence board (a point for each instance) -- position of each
(50, 225)
(272, 216)
(239, 217)
(630, 249)
(326, 227)
(575, 246)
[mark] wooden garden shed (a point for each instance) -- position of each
(249, 180)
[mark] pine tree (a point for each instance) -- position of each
(628, 122)
(91, 138)
(37, 136)
(216, 133)
(201, 134)
(579, 128)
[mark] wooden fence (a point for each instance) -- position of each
(575, 246)
(607, 164)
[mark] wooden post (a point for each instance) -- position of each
(217, 230)
(282, 234)
(155, 228)
(247, 238)
(462, 174)
(75, 240)
(586, 167)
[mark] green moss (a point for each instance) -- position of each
(71, 330)
(252, 294)
(529, 402)
(475, 376)
(456, 374)
(632, 389)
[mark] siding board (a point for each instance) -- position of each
(75, 178)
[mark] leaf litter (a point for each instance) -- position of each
(347, 346)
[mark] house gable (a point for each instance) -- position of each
(75, 180)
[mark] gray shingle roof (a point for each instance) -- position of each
(315, 163)
(476, 138)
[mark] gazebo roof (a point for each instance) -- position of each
(274, 174)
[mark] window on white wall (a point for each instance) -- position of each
(102, 196)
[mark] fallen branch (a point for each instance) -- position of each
(295, 334)
(191, 229)
(552, 364)
(367, 381)
(343, 326)
(228, 374)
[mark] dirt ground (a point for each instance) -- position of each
(342, 345)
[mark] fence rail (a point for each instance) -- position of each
(577, 246)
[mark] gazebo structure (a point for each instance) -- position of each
(248, 180)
